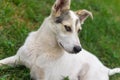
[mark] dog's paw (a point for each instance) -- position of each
(0, 64)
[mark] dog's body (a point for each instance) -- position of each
(47, 51)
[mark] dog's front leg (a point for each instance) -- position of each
(37, 73)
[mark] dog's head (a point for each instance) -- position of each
(68, 25)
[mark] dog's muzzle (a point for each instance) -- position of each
(76, 49)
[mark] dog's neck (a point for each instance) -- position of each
(47, 40)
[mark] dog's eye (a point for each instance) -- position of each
(68, 28)
(78, 30)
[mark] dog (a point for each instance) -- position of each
(54, 50)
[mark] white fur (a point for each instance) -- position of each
(47, 60)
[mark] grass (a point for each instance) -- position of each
(100, 36)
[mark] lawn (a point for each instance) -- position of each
(100, 36)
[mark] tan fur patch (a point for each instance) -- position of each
(83, 15)
(60, 6)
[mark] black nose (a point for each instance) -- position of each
(77, 49)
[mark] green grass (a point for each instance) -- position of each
(100, 36)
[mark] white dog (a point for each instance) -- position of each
(54, 51)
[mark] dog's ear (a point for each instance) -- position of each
(83, 15)
(60, 6)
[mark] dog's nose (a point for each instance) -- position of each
(77, 49)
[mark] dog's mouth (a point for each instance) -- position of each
(64, 48)
(61, 45)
